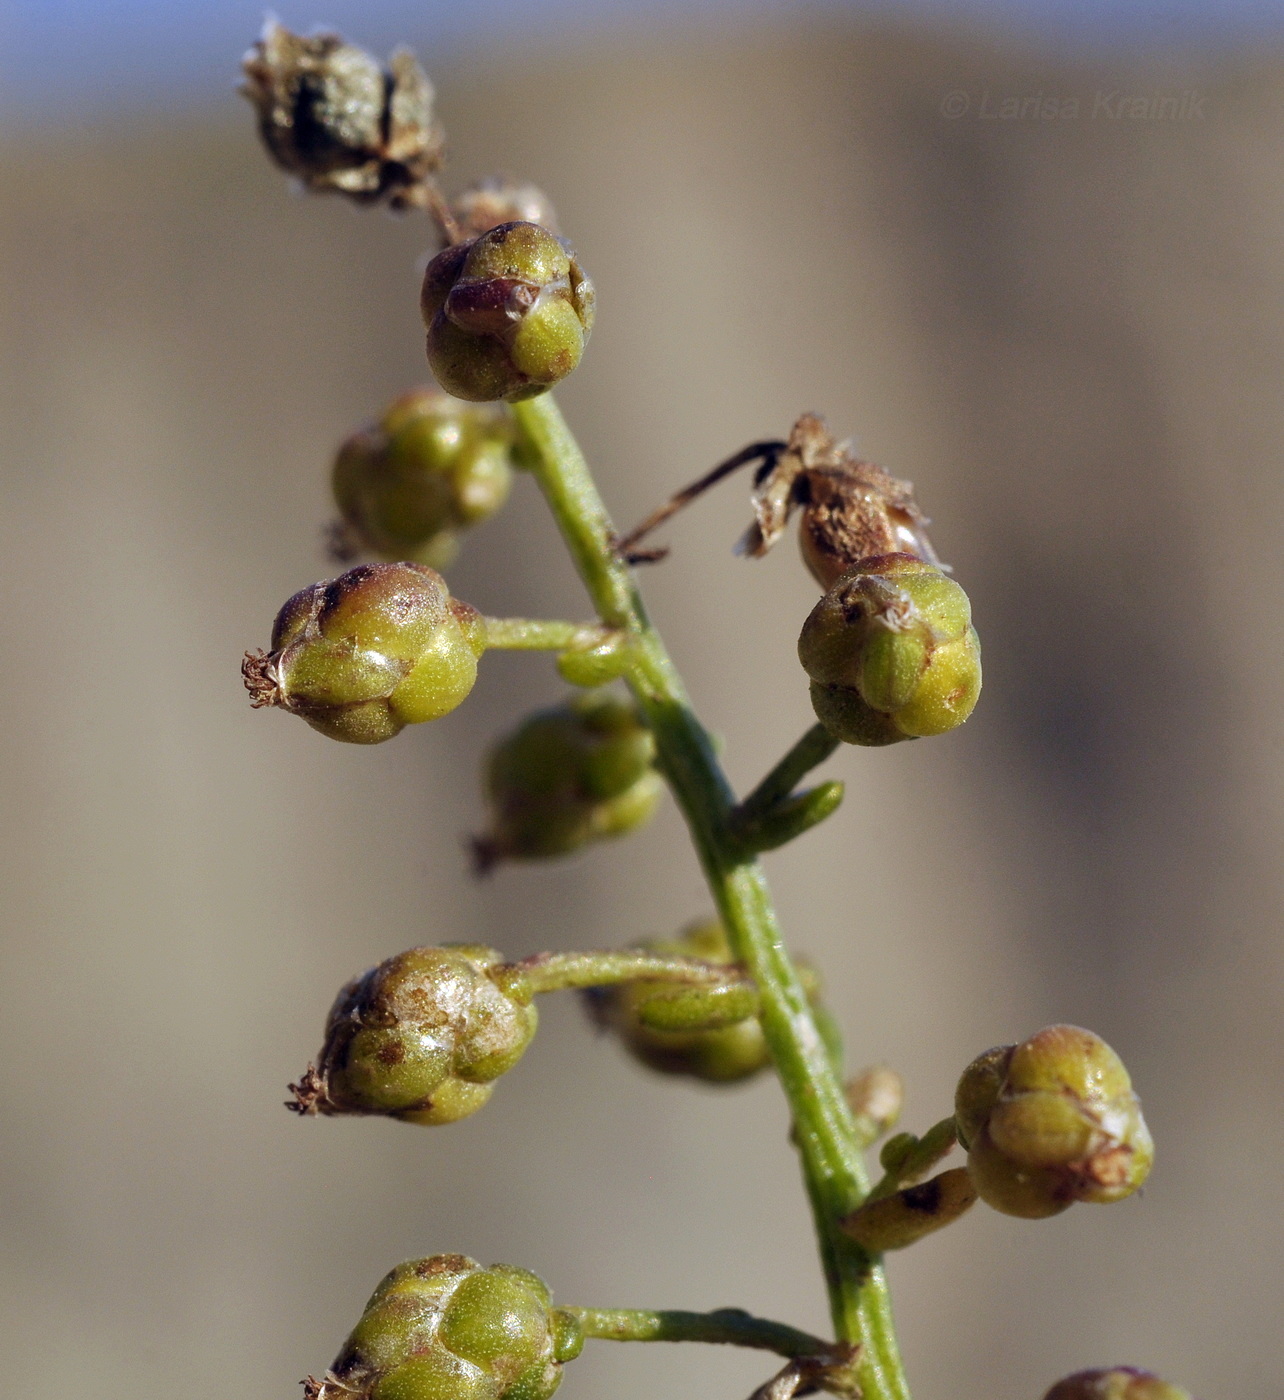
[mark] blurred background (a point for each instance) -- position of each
(1066, 329)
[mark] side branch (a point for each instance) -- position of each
(556, 972)
(729, 1326)
(538, 634)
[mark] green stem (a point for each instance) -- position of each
(538, 634)
(832, 1165)
(815, 746)
(557, 972)
(728, 1325)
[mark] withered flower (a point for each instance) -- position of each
(334, 117)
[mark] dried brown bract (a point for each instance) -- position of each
(332, 115)
(851, 509)
(498, 200)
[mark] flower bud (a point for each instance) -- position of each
(445, 1326)
(362, 656)
(907, 1216)
(1117, 1383)
(331, 115)
(507, 313)
(422, 1037)
(1052, 1121)
(875, 1096)
(891, 653)
(722, 1041)
(578, 772)
(496, 200)
(430, 467)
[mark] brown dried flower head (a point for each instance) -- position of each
(851, 510)
(332, 115)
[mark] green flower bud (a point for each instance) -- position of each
(496, 200)
(362, 656)
(706, 1033)
(891, 653)
(1052, 1121)
(576, 773)
(331, 115)
(1117, 1383)
(430, 467)
(445, 1328)
(422, 1037)
(507, 313)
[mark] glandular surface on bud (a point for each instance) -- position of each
(1050, 1122)
(722, 1051)
(362, 656)
(569, 775)
(891, 652)
(447, 1327)
(1115, 1383)
(507, 313)
(422, 1037)
(330, 114)
(430, 467)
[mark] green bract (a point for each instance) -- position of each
(569, 775)
(362, 656)
(422, 1037)
(507, 313)
(891, 652)
(1052, 1121)
(445, 1328)
(708, 1033)
(430, 467)
(1116, 1383)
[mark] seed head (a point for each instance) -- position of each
(428, 468)
(362, 656)
(330, 114)
(507, 313)
(576, 773)
(422, 1037)
(1052, 1121)
(447, 1326)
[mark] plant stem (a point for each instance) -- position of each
(832, 1165)
(539, 634)
(556, 972)
(815, 746)
(727, 1325)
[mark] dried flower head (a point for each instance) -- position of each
(332, 115)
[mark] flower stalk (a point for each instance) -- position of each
(824, 1127)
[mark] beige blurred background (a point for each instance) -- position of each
(1067, 332)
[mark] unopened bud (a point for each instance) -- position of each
(430, 467)
(709, 1033)
(576, 773)
(891, 653)
(507, 314)
(331, 115)
(1052, 1121)
(446, 1326)
(496, 200)
(1116, 1383)
(422, 1037)
(875, 1096)
(903, 1218)
(362, 656)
